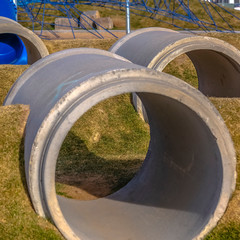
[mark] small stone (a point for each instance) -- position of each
(105, 22)
(65, 23)
(87, 18)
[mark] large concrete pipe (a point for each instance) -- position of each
(18, 45)
(186, 180)
(217, 63)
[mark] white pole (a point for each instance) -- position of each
(127, 17)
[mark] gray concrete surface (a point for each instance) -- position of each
(217, 63)
(186, 180)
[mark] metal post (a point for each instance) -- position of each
(15, 2)
(127, 17)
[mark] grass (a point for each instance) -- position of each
(17, 218)
(182, 67)
(8, 75)
(106, 146)
(225, 232)
(58, 45)
(229, 225)
(103, 138)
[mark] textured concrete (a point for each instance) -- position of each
(188, 175)
(217, 63)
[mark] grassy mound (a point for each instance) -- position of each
(103, 150)
(17, 218)
(229, 226)
(94, 142)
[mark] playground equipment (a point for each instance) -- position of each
(12, 49)
(180, 14)
(41, 15)
(8, 9)
(19, 45)
(217, 63)
(184, 185)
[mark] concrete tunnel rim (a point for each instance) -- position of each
(174, 50)
(6, 20)
(225, 195)
(37, 66)
(185, 45)
(135, 33)
(188, 89)
(193, 43)
(26, 76)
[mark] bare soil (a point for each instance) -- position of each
(81, 34)
(85, 187)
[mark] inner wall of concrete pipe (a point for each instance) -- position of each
(186, 180)
(174, 195)
(35, 47)
(216, 62)
(218, 74)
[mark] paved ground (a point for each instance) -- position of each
(81, 34)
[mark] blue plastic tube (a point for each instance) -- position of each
(12, 49)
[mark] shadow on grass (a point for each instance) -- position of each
(78, 167)
(22, 168)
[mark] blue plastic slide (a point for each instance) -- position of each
(12, 49)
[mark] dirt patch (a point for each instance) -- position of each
(84, 187)
(81, 34)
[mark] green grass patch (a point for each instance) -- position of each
(183, 68)
(230, 111)
(58, 45)
(8, 75)
(108, 142)
(17, 218)
(225, 232)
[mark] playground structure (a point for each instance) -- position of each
(186, 180)
(8, 9)
(216, 62)
(12, 49)
(18, 45)
(179, 14)
(42, 13)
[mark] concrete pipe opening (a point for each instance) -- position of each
(19, 45)
(186, 180)
(216, 62)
